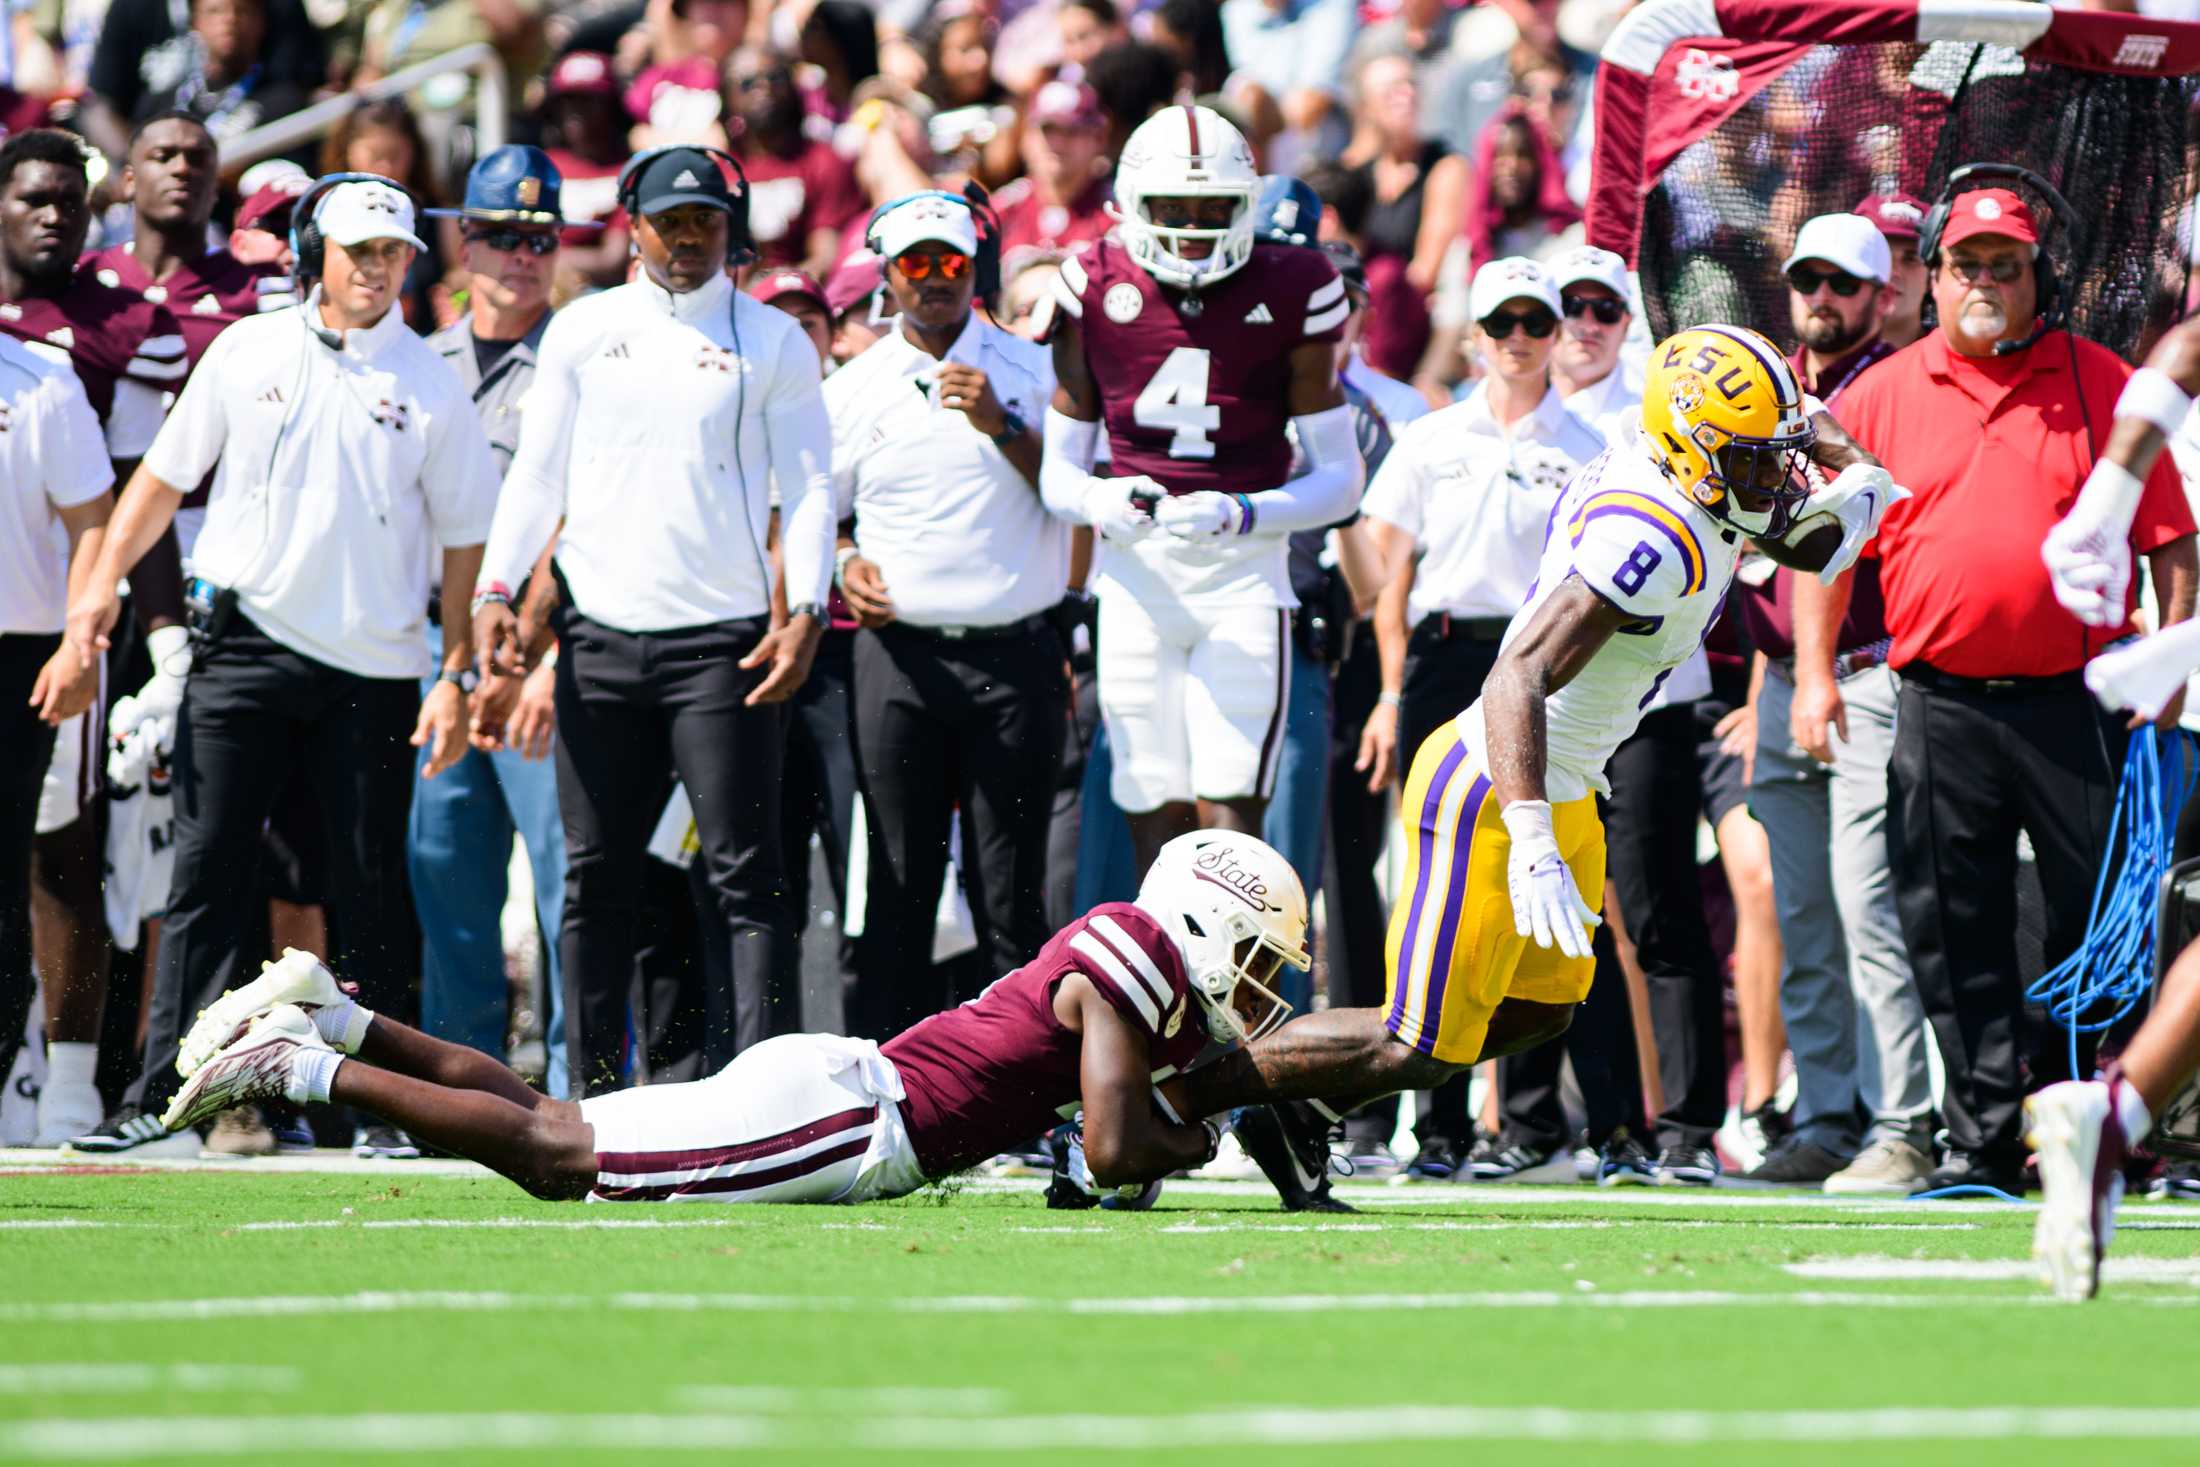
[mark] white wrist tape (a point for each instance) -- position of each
(2150, 394)
(2110, 495)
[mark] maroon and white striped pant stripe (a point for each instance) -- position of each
(747, 1167)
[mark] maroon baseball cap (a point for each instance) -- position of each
(858, 276)
(1068, 104)
(777, 285)
(582, 74)
(1898, 215)
(1989, 211)
(269, 208)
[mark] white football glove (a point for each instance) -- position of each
(161, 698)
(2088, 553)
(1547, 906)
(1122, 509)
(1204, 514)
(1857, 499)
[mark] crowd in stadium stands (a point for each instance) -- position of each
(941, 789)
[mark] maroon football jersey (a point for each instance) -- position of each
(1200, 400)
(205, 295)
(1001, 1069)
(109, 333)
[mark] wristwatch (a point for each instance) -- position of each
(465, 679)
(1013, 428)
(809, 609)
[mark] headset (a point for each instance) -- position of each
(308, 246)
(980, 205)
(2054, 307)
(740, 244)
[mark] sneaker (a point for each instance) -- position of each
(1621, 1162)
(239, 1131)
(1794, 1162)
(1372, 1161)
(1962, 1169)
(1748, 1138)
(134, 1131)
(2080, 1143)
(293, 1136)
(382, 1141)
(2180, 1182)
(298, 978)
(66, 1111)
(1688, 1166)
(1523, 1161)
(1291, 1145)
(1436, 1161)
(1890, 1166)
(1231, 1164)
(256, 1066)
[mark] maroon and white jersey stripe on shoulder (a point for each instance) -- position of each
(994, 1072)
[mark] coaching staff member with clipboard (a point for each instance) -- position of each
(662, 412)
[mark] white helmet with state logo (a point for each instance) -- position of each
(1237, 912)
(1186, 152)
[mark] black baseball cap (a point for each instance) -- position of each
(679, 176)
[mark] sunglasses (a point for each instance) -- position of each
(1806, 282)
(2002, 268)
(504, 241)
(917, 266)
(1537, 324)
(1609, 312)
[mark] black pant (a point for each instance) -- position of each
(252, 710)
(1601, 1043)
(634, 709)
(1443, 677)
(26, 746)
(1358, 825)
(1970, 770)
(1650, 856)
(942, 724)
(819, 791)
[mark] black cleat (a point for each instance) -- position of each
(132, 1129)
(1291, 1145)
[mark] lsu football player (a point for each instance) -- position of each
(1489, 944)
(1201, 352)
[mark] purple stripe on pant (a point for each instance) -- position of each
(1447, 937)
(1424, 836)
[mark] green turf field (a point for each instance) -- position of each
(300, 1317)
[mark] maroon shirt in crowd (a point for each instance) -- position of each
(792, 198)
(1231, 359)
(994, 1072)
(1030, 223)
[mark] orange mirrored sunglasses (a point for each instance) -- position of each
(917, 266)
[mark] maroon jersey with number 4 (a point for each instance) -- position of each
(1200, 399)
(996, 1071)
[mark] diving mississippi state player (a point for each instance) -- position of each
(1202, 352)
(1489, 945)
(1115, 1005)
(2083, 1130)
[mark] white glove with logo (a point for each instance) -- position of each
(2088, 553)
(1204, 514)
(1857, 499)
(161, 698)
(1122, 509)
(1547, 906)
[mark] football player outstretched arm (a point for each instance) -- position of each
(1843, 511)
(1126, 1140)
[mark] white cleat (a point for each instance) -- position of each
(2080, 1144)
(297, 977)
(256, 1067)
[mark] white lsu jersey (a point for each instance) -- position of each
(1642, 545)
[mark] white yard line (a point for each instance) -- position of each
(120, 1376)
(871, 1400)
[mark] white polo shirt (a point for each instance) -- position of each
(655, 427)
(52, 457)
(338, 468)
(956, 531)
(1612, 404)
(1476, 499)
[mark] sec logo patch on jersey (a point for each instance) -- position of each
(1123, 302)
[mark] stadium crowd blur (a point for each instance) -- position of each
(1440, 137)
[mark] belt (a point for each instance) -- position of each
(1846, 664)
(1925, 675)
(1029, 626)
(1444, 627)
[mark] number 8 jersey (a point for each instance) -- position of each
(1645, 547)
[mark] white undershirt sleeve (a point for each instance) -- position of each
(1328, 491)
(800, 437)
(533, 497)
(1065, 470)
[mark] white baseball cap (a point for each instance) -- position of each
(942, 221)
(1590, 265)
(354, 213)
(1847, 242)
(1516, 277)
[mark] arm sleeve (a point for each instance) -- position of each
(1065, 470)
(70, 449)
(1636, 552)
(800, 439)
(459, 474)
(189, 443)
(2164, 512)
(847, 418)
(533, 497)
(1329, 490)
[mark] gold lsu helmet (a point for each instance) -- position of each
(1721, 412)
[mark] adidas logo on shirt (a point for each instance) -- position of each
(273, 394)
(619, 351)
(1259, 316)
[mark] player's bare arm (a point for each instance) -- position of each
(1126, 1140)
(1566, 631)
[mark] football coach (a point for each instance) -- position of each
(663, 411)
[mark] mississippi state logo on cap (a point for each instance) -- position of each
(1986, 209)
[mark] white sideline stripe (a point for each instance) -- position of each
(570, 1224)
(146, 1437)
(972, 1400)
(1583, 1294)
(28, 1223)
(2113, 1270)
(60, 1379)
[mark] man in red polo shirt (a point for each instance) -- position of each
(1993, 423)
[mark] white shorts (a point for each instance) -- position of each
(72, 774)
(1193, 699)
(800, 1118)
